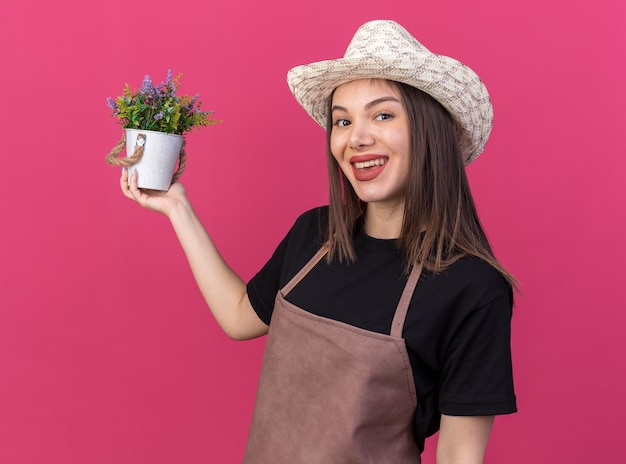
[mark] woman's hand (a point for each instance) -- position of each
(161, 202)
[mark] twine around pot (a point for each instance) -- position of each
(129, 161)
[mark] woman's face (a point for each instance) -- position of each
(370, 139)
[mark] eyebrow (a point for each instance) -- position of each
(369, 105)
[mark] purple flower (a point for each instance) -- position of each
(158, 116)
(147, 85)
(168, 79)
(111, 104)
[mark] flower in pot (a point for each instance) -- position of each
(155, 120)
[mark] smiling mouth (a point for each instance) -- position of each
(370, 163)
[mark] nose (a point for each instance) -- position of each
(361, 136)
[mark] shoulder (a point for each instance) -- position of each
(305, 237)
(469, 289)
(473, 279)
(315, 218)
(309, 229)
(301, 242)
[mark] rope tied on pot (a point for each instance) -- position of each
(129, 161)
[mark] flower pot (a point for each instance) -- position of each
(161, 152)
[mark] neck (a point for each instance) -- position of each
(383, 222)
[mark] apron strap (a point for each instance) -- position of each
(305, 270)
(403, 305)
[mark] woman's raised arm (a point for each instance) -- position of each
(223, 290)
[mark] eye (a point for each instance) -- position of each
(384, 116)
(341, 123)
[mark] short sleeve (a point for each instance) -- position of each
(300, 243)
(477, 377)
(264, 286)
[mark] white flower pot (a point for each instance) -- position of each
(161, 152)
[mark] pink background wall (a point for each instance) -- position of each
(107, 352)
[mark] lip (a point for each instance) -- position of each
(369, 173)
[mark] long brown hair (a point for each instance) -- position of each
(440, 223)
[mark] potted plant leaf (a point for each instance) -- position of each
(155, 120)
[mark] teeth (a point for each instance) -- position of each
(369, 164)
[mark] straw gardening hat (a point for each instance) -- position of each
(385, 50)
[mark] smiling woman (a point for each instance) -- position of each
(388, 315)
(370, 142)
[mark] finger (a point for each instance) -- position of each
(133, 187)
(124, 183)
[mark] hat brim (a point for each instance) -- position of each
(454, 85)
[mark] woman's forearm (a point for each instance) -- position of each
(223, 290)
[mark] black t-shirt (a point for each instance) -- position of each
(457, 329)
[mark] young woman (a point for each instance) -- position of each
(388, 314)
